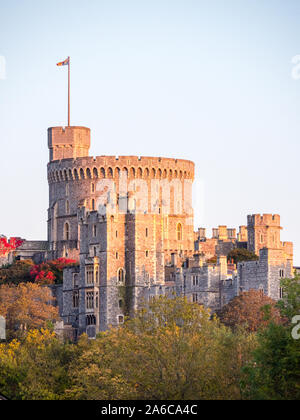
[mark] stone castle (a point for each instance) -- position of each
(128, 220)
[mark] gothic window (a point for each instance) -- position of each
(179, 232)
(90, 275)
(97, 299)
(90, 320)
(195, 297)
(67, 231)
(89, 300)
(93, 204)
(76, 299)
(121, 276)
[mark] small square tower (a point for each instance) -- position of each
(68, 142)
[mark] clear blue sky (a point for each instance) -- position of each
(203, 80)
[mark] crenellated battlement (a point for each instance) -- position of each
(111, 167)
(264, 220)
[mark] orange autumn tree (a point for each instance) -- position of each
(252, 310)
(26, 306)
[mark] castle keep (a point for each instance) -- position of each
(122, 218)
(128, 221)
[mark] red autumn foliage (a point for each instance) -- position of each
(7, 246)
(50, 272)
(251, 309)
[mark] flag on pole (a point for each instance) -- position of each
(63, 63)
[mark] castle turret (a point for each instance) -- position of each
(68, 142)
(263, 232)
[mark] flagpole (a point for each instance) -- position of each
(68, 91)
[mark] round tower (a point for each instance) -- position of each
(74, 179)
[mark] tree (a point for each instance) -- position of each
(290, 303)
(36, 368)
(275, 371)
(241, 254)
(46, 273)
(252, 310)
(18, 272)
(26, 306)
(51, 272)
(8, 246)
(171, 350)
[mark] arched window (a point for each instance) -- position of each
(90, 320)
(281, 294)
(94, 231)
(67, 231)
(67, 207)
(179, 232)
(93, 204)
(121, 276)
(75, 280)
(76, 299)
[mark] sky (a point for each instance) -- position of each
(211, 81)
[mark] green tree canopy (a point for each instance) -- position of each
(241, 254)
